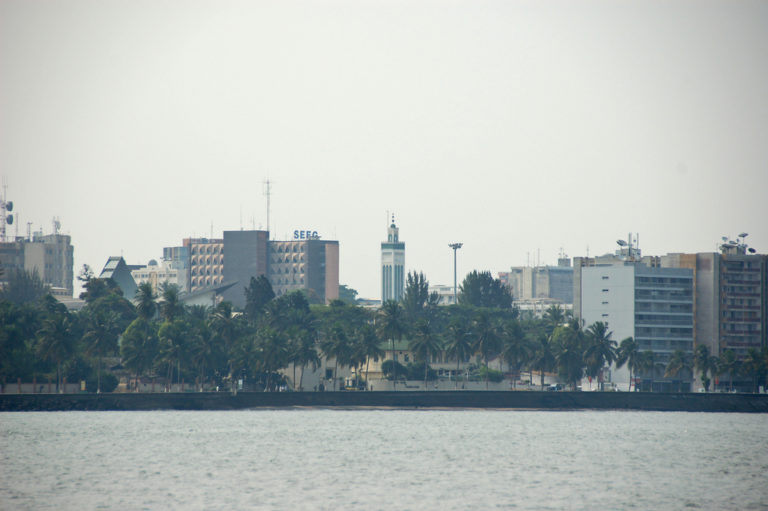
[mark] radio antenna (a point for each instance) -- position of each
(267, 194)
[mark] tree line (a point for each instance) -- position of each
(159, 337)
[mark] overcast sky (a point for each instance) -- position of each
(514, 127)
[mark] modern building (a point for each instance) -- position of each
(444, 292)
(392, 265)
(246, 255)
(178, 259)
(206, 262)
(160, 274)
(541, 282)
(655, 306)
(311, 265)
(120, 273)
(51, 256)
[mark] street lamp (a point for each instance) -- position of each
(455, 247)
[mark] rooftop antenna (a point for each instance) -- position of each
(268, 194)
(29, 231)
(56, 225)
(6, 207)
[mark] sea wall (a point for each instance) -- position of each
(744, 403)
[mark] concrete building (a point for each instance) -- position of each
(444, 292)
(311, 265)
(206, 262)
(51, 256)
(540, 282)
(652, 305)
(246, 255)
(178, 259)
(159, 274)
(392, 265)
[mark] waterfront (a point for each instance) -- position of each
(383, 459)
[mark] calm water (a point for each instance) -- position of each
(383, 459)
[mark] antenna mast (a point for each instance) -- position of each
(268, 194)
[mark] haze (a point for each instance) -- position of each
(518, 128)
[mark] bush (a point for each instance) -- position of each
(386, 368)
(416, 372)
(108, 382)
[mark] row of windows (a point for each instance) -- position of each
(206, 260)
(207, 249)
(205, 271)
(292, 248)
(288, 259)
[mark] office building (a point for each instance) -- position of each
(51, 256)
(206, 262)
(245, 255)
(552, 283)
(311, 265)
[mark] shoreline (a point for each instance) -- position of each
(490, 400)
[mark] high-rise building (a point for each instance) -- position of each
(540, 282)
(245, 256)
(177, 258)
(654, 306)
(392, 265)
(310, 265)
(51, 256)
(206, 262)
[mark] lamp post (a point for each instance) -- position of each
(455, 247)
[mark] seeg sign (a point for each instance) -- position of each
(305, 235)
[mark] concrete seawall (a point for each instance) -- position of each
(742, 403)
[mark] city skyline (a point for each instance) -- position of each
(517, 129)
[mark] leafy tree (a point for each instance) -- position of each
(515, 349)
(139, 346)
(393, 370)
(173, 346)
(728, 364)
(705, 363)
(171, 308)
(145, 301)
(258, 293)
(273, 350)
(568, 343)
(416, 294)
(480, 289)
(755, 365)
(553, 317)
(347, 294)
(543, 355)
(337, 346)
(23, 287)
(370, 346)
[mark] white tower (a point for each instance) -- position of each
(392, 265)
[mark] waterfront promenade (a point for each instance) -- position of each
(647, 401)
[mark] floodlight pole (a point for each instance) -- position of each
(455, 247)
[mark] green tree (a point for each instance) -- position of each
(347, 294)
(568, 344)
(677, 362)
(171, 308)
(543, 356)
(102, 331)
(258, 293)
(459, 345)
(515, 349)
(705, 363)
(336, 345)
(480, 289)
(370, 344)
(23, 287)
(600, 351)
(424, 345)
(146, 306)
(393, 326)
(487, 338)
(55, 341)
(629, 353)
(730, 365)
(273, 350)
(139, 347)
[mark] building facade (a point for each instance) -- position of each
(51, 256)
(392, 265)
(654, 306)
(540, 282)
(206, 262)
(245, 256)
(309, 265)
(160, 274)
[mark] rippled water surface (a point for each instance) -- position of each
(383, 459)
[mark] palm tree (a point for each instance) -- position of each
(145, 301)
(755, 365)
(171, 307)
(139, 346)
(729, 364)
(629, 353)
(486, 333)
(55, 341)
(543, 359)
(515, 349)
(226, 332)
(647, 363)
(393, 326)
(336, 345)
(553, 317)
(705, 363)
(568, 347)
(101, 337)
(274, 352)
(459, 344)
(424, 344)
(370, 344)
(601, 349)
(173, 338)
(678, 361)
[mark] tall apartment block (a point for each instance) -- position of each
(245, 256)
(311, 265)
(655, 306)
(392, 265)
(206, 262)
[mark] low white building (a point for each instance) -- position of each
(157, 274)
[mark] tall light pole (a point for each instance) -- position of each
(455, 247)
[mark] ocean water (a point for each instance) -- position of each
(383, 459)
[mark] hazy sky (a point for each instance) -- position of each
(514, 127)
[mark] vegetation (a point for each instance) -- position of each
(159, 338)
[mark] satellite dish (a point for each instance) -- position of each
(9, 219)
(9, 206)
(621, 243)
(751, 250)
(742, 235)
